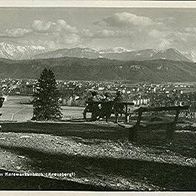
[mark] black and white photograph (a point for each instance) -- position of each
(98, 98)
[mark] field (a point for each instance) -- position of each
(13, 110)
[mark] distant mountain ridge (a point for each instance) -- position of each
(72, 52)
(71, 68)
(116, 54)
(19, 51)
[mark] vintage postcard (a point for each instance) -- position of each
(98, 96)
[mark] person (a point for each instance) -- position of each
(106, 107)
(118, 105)
(2, 99)
(92, 106)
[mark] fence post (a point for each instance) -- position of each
(133, 132)
(172, 126)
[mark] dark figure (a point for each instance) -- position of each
(118, 105)
(92, 106)
(106, 107)
(1, 101)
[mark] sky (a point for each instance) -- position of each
(101, 28)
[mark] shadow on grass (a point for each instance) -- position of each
(85, 130)
(182, 144)
(164, 175)
(41, 183)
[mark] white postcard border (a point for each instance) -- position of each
(103, 4)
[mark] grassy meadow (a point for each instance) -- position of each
(15, 109)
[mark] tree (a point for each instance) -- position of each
(46, 105)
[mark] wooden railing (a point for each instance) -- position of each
(170, 126)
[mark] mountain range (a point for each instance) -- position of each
(27, 62)
(71, 68)
(116, 53)
(16, 51)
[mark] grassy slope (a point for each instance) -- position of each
(113, 163)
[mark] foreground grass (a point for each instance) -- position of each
(151, 164)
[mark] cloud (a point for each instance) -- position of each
(54, 41)
(181, 38)
(41, 26)
(70, 39)
(15, 33)
(166, 38)
(87, 33)
(18, 32)
(190, 30)
(107, 33)
(53, 26)
(62, 25)
(120, 29)
(55, 34)
(127, 19)
(155, 33)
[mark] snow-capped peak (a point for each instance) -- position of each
(191, 55)
(19, 51)
(114, 50)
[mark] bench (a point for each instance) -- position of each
(110, 104)
(169, 126)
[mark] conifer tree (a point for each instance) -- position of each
(46, 105)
